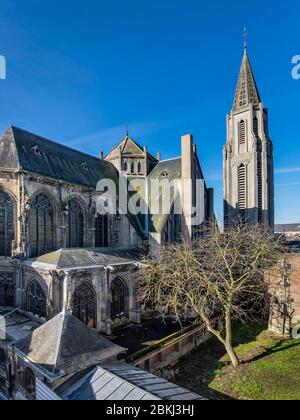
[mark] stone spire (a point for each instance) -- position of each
(246, 92)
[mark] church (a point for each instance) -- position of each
(61, 259)
(248, 156)
(57, 250)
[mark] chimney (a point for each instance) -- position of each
(146, 160)
(158, 156)
(187, 152)
(101, 155)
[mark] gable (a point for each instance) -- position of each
(8, 151)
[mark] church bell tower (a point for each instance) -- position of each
(248, 156)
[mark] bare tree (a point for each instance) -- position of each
(219, 278)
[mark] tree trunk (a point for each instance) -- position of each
(232, 354)
(228, 343)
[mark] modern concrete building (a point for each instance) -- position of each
(248, 156)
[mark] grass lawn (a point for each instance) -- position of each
(270, 369)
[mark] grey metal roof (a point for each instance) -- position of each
(65, 344)
(20, 149)
(69, 258)
(122, 382)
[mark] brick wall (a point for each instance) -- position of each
(295, 284)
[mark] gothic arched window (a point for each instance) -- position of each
(7, 289)
(2, 356)
(7, 228)
(139, 168)
(132, 169)
(120, 299)
(41, 225)
(29, 382)
(84, 305)
(36, 300)
(101, 234)
(125, 167)
(75, 225)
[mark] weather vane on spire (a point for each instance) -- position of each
(127, 130)
(245, 38)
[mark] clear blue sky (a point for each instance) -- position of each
(77, 71)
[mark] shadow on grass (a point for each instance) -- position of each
(277, 348)
(198, 369)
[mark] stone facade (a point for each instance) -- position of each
(57, 251)
(248, 156)
(284, 290)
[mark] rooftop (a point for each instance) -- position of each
(86, 258)
(64, 345)
(122, 382)
(14, 326)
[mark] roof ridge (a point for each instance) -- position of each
(64, 146)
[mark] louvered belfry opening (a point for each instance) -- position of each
(75, 225)
(101, 234)
(255, 127)
(7, 227)
(259, 172)
(242, 133)
(41, 226)
(242, 196)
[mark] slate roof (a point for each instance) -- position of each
(77, 257)
(65, 344)
(122, 382)
(246, 91)
(171, 168)
(20, 149)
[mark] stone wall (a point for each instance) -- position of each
(283, 283)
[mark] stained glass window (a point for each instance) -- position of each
(101, 234)
(7, 231)
(7, 289)
(36, 300)
(75, 225)
(120, 299)
(41, 226)
(84, 305)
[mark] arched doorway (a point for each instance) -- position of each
(75, 237)
(41, 225)
(120, 299)
(36, 300)
(7, 226)
(84, 305)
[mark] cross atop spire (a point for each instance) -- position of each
(246, 92)
(245, 38)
